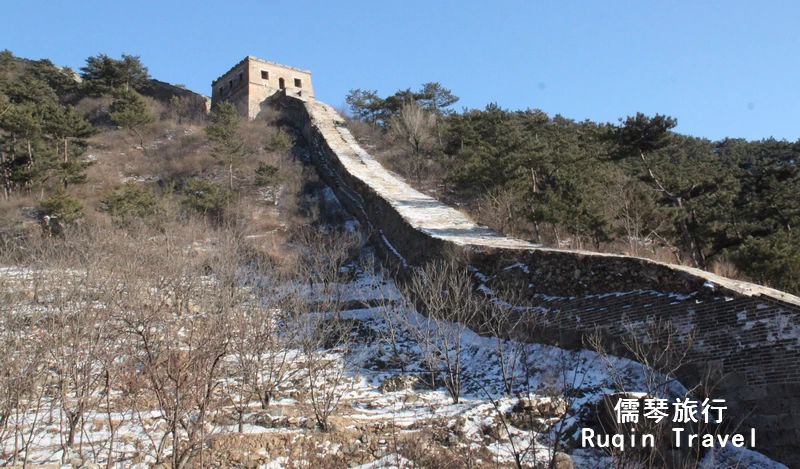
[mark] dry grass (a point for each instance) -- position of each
(173, 154)
(95, 110)
(17, 210)
(725, 268)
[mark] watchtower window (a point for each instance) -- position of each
(230, 84)
(281, 83)
(298, 83)
(241, 79)
(264, 75)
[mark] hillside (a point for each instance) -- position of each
(178, 290)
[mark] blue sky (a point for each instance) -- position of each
(723, 68)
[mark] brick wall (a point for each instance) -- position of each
(749, 334)
(246, 86)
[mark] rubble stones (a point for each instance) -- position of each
(562, 461)
(399, 382)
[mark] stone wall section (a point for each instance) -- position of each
(163, 91)
(747, 334)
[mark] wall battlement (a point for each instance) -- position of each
(749, 335)
(265, 62)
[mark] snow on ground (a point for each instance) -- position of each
(390, 461)
(564, 381)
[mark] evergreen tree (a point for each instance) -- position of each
(6, 60)
(435, 98)
(59, 210)
(61, 80)
(672, 164)
(365, 105)
(39, 137)
(105, 75)
(266, 174)
(130, 202)
(773, 260)
(130, 110)
(207, 197)
(65, 125)
(224, 133)
(26, 156)
(28, 88)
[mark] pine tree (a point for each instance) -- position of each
(61, 80)
(670, 163)
(436, 98)
(104, 75)
(66, 125)
(130, 110)
(365, 105)
(59, 210)
(225, 134)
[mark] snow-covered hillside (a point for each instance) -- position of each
(376, 380)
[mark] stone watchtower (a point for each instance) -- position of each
(250, 82)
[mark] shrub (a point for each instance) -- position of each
(63, 206)
(59, 210)
(132, 201)
(185, 109)
(266, 174)
(207, 197)
(279, 142)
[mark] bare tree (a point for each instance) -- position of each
(113, 378)
(386, 299)
(444, 293)
(77, 330)
(498, 209)
(323, 337)
(263, 358)
(327, 360)
(658, 353)
(636, 215)
(176, 338)
(324, 253)
(502, 320)
(25, 388)
(9, 361)
(416, 129)
(181, 365)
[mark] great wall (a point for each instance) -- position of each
(748, 336)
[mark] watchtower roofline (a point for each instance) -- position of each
(250, 83)
(265, 62)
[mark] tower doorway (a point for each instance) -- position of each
(281, 83)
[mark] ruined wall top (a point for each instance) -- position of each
(574, 272)
(744, 336)
(253, 58)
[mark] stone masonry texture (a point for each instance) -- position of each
(747, 334)
(250, 82)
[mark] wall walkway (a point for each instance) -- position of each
(748, 335)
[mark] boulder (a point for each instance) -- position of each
(399, 382)
(562, 461)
